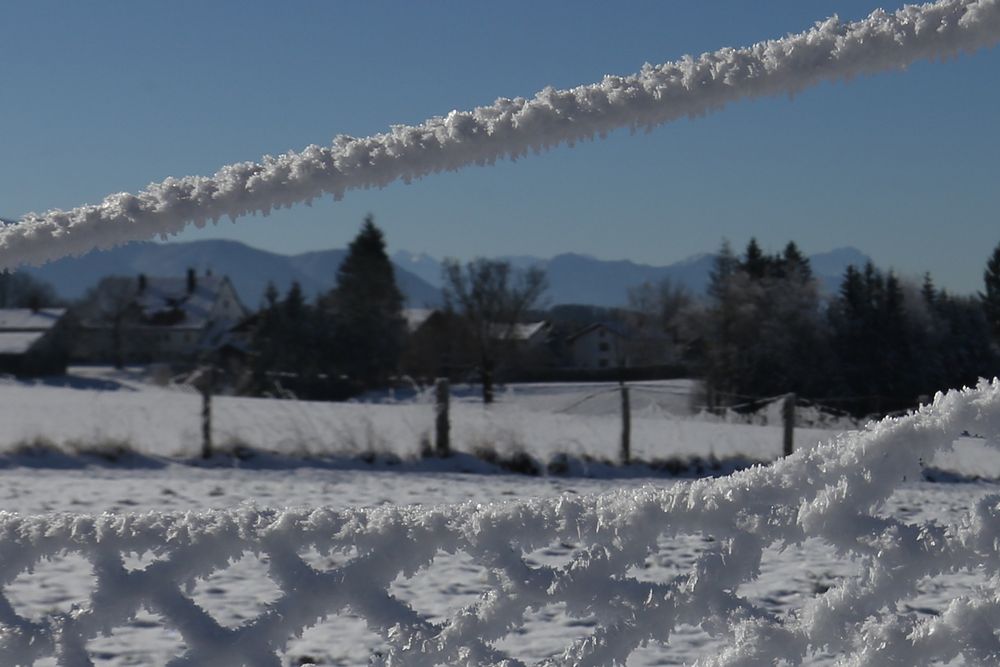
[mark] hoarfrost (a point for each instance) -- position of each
(832, 493)
(510, 128)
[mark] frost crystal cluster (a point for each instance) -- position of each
(831, 493)
(512, 127)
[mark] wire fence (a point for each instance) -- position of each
(831, 495)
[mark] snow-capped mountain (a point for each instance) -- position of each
(250, 269)
(583, 279)
(573, 278)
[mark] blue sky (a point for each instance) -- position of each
(103, 97)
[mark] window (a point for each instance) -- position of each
(603, 347)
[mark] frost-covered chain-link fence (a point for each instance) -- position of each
(833, 492)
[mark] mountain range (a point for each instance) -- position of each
(572, 278)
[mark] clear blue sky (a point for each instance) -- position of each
(100, 97)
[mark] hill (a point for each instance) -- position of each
(249, 268)
(573, 278)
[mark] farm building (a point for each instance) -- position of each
(163, 319)
(31, 343)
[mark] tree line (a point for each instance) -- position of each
(876, 345)
(354, 337)
(763, 328)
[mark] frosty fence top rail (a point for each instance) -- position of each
(831, 493)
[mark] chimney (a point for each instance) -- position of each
(192, 281)
(142, 283)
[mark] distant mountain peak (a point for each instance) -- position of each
(697, 258)
(249, 269)
(573, 277)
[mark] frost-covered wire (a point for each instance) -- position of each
(510, 128)
(580, 401)
(832, 492)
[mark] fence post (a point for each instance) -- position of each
(788, 415)
(206, 412)
(626, 427)
(442, 426)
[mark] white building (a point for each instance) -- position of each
(598, 345)
(28, 343)
(528, 334)
(182, 318)
(171, 319)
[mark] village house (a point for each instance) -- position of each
(596, 346)
(182, 318)
(440, 340)
(529, 335)
(169, 319)
(32, 341)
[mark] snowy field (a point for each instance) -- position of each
(101, 409)
(161, 423)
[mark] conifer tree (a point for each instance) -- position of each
(723, 268)
(281, 340)
(756, 263)
(270, 295)
(367, 309)
(794, 265)
(720, 338)
(928, 291)
(991, 297)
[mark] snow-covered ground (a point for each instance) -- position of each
(543, 420)
(788, 576)
(98, 409)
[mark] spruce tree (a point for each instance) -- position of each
(720, 336)
(794, 265)
(723, 268)
(991, 297)
(928, 291)
(367, 309)
(756, 263)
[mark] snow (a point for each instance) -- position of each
(29, 319)
(18, 342)
(580, 421)
(162, 295)
(21, 328)
(513, 128)
(836, 555)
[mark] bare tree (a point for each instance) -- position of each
(112, 305)
(492, 298)
(20, 290)
(659, 316)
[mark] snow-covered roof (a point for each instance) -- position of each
(521, 331)
(26, 319)
(610, 328)
(415, 317)
(18, 342)
(166, 295)
(529, 330)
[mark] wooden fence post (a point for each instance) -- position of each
(442, 426)
(626, 427)
(788, 415)
(206, 413)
